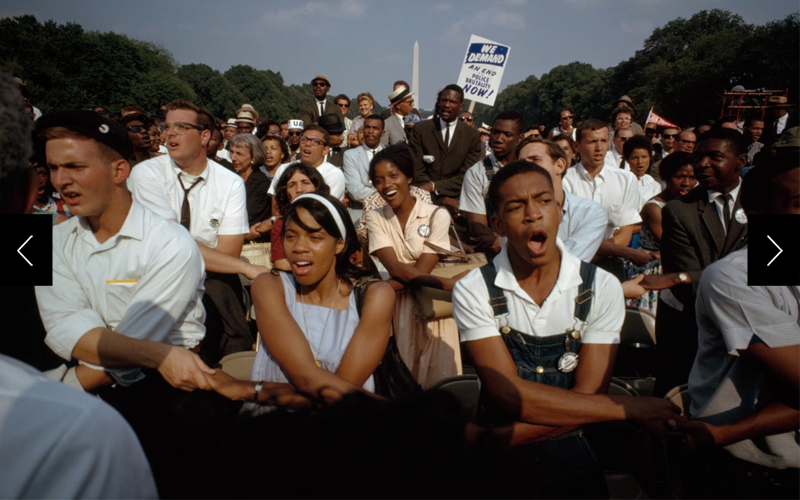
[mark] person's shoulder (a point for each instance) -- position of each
(352, 153)
(472, 284)
(223, 174)
(688, 200)
(165, 230)
(728, 270)
(153, 167)
(424, 125)
(62, 231)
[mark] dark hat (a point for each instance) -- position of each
(400, 94)
(160, 113)
(332, 123)
(92, 125)
(125, 120)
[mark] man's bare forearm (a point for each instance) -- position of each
(104, 347)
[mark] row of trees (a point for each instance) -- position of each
(682, 71)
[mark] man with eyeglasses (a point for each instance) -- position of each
(467, 118)
(669, 144)
(401, 103)
(314, 145)
(614, 157)
(686, 142)
(311, 111)
(138, 127)
(210, 202)
(293, 134)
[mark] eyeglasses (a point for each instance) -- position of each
(319, 84)
(138, 129)
(568, 117)
(536, 135)
(343, 105)
(180, 128)
(313, 140)
(295, 133)
(623, 139)
(466, 118)
(669, 136)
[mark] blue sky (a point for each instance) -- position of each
(365, 45)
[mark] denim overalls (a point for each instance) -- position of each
(563, 459)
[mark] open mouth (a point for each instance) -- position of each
(71, 198)
(302, 267)
(389, 195)
(537, 243)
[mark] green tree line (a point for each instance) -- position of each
(681, 72)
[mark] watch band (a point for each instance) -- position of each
(259, 386)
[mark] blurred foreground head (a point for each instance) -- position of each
(17, 181)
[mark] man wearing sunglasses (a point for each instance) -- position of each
(138, 127)
(311, 111)
(294, 133)
(614, 157)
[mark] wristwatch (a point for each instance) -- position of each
(683, 277)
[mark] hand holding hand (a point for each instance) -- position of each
(185, 370)
(632, 288)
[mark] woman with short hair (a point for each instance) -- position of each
(248, 156)
(366, 104)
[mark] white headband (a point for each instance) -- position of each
(332, 209)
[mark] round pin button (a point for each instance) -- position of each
(505, 330)
(540, 369)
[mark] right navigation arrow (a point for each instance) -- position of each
(780, 250)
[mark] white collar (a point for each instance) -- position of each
(713, 195)
(444, 124)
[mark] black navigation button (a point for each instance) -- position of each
(27, 250)
(773, 255)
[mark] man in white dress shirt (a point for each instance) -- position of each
(616, 190)
(210, 201)
(356, 165)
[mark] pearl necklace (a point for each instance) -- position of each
(324, 326)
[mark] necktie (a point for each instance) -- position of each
(186, 213)
(447, 137)
(622, 163)
(726, 210)
(321, 108)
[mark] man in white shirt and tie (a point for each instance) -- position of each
(356, 165)
(310, 111)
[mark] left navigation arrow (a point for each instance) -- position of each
(19, 250)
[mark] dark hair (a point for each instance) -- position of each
(344, 268)
(399, 155)
(737, 141)
(402, 82)
(748, 122)
(637, 142)
(723, 120)
(263, 127)
(325, 135)
(454, 88)
(341, 96)
(514, 116)
(205, 120)
(673, 163)
(554, 151)
(282, 197)
(513, 169)
(591, 125)
(757, 183)
(621, 109)
(281, 143)
(558, 115)
(376, 117)
(284, 122)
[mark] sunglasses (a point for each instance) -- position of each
(295, 133)
(466, 118)
(319, 84)
(669, 136)
(568, 117)
(343, 105)
(138, 129)
(623, 139)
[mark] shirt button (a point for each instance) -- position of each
(540, 369)
(576, 335)
(505, 330)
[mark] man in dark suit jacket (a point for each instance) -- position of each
(440, 167)
(310, 111)
(778, 120)
(694, 237)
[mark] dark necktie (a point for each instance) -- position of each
(186, 212)
(622, 163)
(447, 137)
(726, 210)
(321, 108)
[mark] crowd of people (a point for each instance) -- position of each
(540, 244)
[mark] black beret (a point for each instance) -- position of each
(90, 124)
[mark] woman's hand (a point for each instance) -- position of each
(254, 232)
(632, 289)
(230, 387)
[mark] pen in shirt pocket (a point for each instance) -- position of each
(122, 282)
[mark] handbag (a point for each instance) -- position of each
(258, 254)
(392, 377)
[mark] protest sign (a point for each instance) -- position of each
(483, 69)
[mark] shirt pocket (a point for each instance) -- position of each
(119, 295)
(208, 227)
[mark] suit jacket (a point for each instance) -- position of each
(356, 174)
(694, 238)
(336, 155)
(449, 164)
(769, 137)
(309, 111)
(395, 131)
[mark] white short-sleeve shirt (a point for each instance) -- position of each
(616, 190)
(145, 282)
(724, 386)
(476, 320)
(218, 204)
(334, 178)
(476, 186)
(648, 187)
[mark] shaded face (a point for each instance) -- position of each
(623, 120)
(320, 88)
(529, 216)
(668, 139)
(214, 143)
(189, 145)
(43, 176)
(484, 136)
(682, 182)
(298, 184)
(566, 146)
(294, 137)
(365, 107)
(84, 182)
(505, 137)
(241, 158)
(313, 148)
(620, 138)
(274, 130)
(230, 132)
(755, 130)
(650, 133)
(344, 106)
(639, 161)
(284, 130)
(730, 125)
(467, 118)
(702, 129)
(593, 146)
(686, 141)
(717, 166)
(155, 138)
(244, 128)
(532, 133)
(405, 106)
(784, 193)
(565, 120)
(139, 134)
(311, 253)
(391, 183)
(450, 105)
(538, 153)
(274, 153)
(373, 131)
